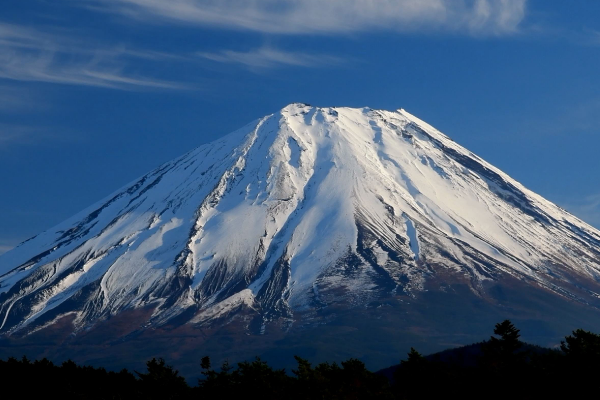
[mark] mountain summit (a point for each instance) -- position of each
(302, 212)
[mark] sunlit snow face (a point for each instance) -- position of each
(303, 205)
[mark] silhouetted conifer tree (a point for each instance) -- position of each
(582, 345)
(162, 381)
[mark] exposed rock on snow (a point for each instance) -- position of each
(353, 202)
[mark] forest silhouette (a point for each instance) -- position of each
(499, 368)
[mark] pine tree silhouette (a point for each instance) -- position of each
(162, 381)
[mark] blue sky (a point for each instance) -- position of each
(94, 93)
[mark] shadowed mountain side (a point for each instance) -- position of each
(379, 333)
(324, 232)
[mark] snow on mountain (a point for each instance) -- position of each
(293, 211)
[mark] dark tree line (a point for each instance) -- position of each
(500, 368)
(504, 367)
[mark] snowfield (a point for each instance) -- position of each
(300, 201)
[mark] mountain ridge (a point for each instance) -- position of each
(302, 210)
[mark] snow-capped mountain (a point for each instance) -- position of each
(300, 210)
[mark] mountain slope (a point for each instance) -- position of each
(302, 210)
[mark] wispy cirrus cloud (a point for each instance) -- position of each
(11, 134)
(573, 118)
(15, 99)
(268, 57)
(5, 248)
(586, 208)
(28, 54)
(25, 135)
(475, 17)
(7, 244)
(593, 37)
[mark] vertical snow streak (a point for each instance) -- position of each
(412, 235)
(187, 259)
(292, 200)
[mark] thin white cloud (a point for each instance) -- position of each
(587, 208)
(585, 117)
(15, 99)
(11, 134)
(7, 244)
(30, 55)
(581, 118)
(4, 249)
(267, 57)
(476, 17)
(594, 37)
